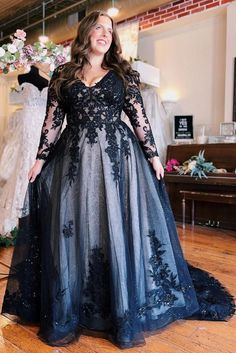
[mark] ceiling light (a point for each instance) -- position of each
(43, 39)
(113, 11)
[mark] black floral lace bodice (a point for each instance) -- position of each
(93, 108)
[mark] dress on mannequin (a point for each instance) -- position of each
(33, 91)
(34, 78)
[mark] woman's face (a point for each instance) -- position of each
(101, 36)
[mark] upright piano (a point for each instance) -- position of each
(223, 155)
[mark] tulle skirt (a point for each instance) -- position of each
(98, 249)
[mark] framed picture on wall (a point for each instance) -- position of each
(228, 129)
(183, 128)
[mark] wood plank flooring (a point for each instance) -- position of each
(211, 249)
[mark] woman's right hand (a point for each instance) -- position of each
(35, 170)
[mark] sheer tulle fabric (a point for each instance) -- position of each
(98, 248)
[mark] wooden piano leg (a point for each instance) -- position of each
(183, 212)
(193, 211)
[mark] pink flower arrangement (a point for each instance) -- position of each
(171, 164)
(20, 34)
(16, 54)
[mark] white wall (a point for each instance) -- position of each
(230, 55)
(191, 56)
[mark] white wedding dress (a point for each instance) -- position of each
(10, 145)
(19, 154)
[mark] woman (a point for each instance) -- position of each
(98, 248)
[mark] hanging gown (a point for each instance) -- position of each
(10, 146)
(19, 155)
(97, 247)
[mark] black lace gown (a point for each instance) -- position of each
(97, 246)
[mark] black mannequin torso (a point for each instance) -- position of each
(34, 78)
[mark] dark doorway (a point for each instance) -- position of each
(234, 96)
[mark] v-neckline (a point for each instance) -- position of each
(101, 79)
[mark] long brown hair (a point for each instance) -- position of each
(80, 49)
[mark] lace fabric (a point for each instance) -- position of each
(22, 147)
(97, 246)
(158, 119)
(53, 122)
(134, 109)
(132, 105)
(10, 146)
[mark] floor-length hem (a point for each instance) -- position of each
(97, 243)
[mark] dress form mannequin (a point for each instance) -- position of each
(34, 78)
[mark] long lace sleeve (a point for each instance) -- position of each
(134, 109)
(55, 114)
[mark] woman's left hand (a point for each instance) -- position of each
(157, 166)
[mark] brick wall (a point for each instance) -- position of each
(170, 12)
(173, 11)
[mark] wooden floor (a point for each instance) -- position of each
(210, 249)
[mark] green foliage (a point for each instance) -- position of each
(16, 54)
(197, 166)
(9, 240)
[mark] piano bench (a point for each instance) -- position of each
(203, 197)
